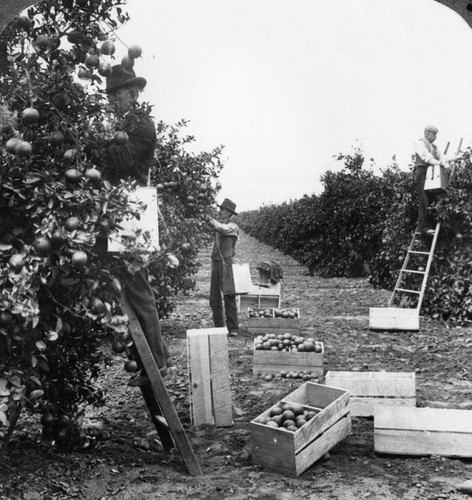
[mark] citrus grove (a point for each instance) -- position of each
(59, 298)
(362, 224)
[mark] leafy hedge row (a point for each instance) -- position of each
(362, 224)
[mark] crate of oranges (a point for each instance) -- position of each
(267, 320)
(293, 434)
(285, 352)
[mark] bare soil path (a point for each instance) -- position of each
(128, 463)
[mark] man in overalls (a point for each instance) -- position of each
(223, 254)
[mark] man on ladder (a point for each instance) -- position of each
(426, 154)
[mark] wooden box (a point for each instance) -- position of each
(275, 323)
(423, 431)
(260, 296)
(371, 389)
(292, 452)
(272, 362)
(394, 318)
(209, 376)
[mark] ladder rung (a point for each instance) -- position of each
(407, 291)
(412, 271)
(418, 252)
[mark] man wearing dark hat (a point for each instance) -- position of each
(223, 254)
(131, 161)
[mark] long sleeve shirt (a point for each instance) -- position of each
(226, 235)
(132, 160)
(427, 153)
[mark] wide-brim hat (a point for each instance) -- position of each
(229, 205)
(120, 78)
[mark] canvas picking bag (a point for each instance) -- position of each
(236, 279)
(437, 179)
(147, 224)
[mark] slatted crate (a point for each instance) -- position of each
(423, 431)
(274, 320)
(371, 389)
(267, 362)
(292, 452)
(209, 376)
(260, 296)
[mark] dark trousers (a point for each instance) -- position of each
(424, 198)
(141, 298)
(217, 298)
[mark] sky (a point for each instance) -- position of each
(286, 85)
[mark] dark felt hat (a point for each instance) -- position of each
(120, 78)
(229, 205)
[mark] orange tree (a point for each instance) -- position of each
(448, 294)
(59, 295)
(362, 225)
(337, 232)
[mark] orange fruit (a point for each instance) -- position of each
(93, 174)
(42, 244)
(107, 48)
(131, 366)
(30, 115)
(118, 346)
(92, 61)
(72, 223)
(16, 261)
(135, 51)
(6, 318)
(79, 258)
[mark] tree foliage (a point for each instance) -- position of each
(362, 225)
(59, 293)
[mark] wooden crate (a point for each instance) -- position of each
(423, 431)
(271, 362)
(371, 389)
(394, 318)
(292, 453)
(209, 376)
(260, 296)
(273, 324)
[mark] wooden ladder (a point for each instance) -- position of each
(161, 408)
(398, 290)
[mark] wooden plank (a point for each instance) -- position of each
(326, 418)
(431, 419)
(393, 318)
(155, 411)
(313, 394)
(423, 431)
(287, 358)
(200, 378)
(365, 406)
(272, 448)
(263, 329)
(274, 323)
(316, 449)
(420, 443)
(220, 380)
(370, 389)
(273, 369)
(371, 384)
(160, 392)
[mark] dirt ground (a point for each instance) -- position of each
(128, 461)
